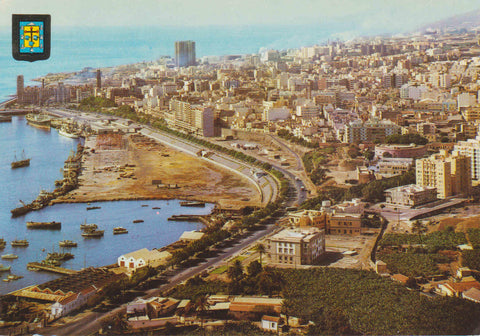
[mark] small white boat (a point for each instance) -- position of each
(9, 256)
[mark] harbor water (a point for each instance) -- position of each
(48, 150)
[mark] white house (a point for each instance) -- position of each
(142, 258)
(270, 323)
(71, 302)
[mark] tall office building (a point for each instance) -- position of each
(20, 88)
(184, 53)
(99, 79)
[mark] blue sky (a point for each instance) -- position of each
(386, 15)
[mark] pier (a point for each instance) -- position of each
(189, 218)
(53, 269)
(12, 112)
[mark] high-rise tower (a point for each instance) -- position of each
(99, 79)
(20, 88)
(184, 53)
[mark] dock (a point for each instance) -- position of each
(189, 218)
(53, 269)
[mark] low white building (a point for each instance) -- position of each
(410, 195)
(270, 323)
(189, 236)
(142, 258)
(71, 302)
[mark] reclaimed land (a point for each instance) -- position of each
(134, 167)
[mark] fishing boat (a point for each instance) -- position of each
(93, 233)
(119, 230)
(68, 132)
(138, 221)
(23, 162)
(59, 256)
(21, 210)
(44, 225)
(9, 256)
(4, 268)
(192, 204)
(93, 208)
(19, 243)
(38, 120)
(86, 226)
(67, 243)
(14, 277)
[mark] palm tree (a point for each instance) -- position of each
(419, 228)
(235, 272)
(261, 249)
(202, 305)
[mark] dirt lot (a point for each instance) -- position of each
(137, 167)
(462, 219)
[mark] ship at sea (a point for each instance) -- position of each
(44, 225)
(23, 162)
(38, 120)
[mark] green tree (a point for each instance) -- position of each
(254, 268)
(235, 272)
(261, 249)
(202, 305)
(420, 229)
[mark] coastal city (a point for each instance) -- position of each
(340, 183)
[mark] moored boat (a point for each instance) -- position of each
(9, 256)
(2, 243)
(192, 204)
(38, 120)
(4, 268)
(93, 208)
(119, 230)
(59, 256)
(67, 243)
(93, 233)
(67, 133)
(14, 277)
(86, 226)
(19, 243)
(44, 225)
(23, 162)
